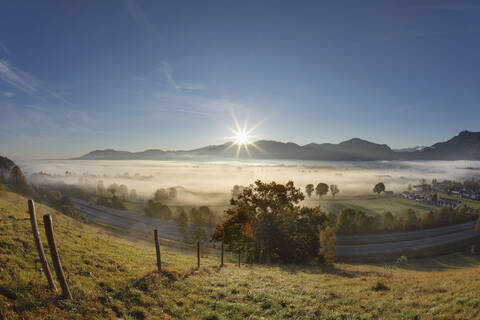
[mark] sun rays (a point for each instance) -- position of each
(242, 136)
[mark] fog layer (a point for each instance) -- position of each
(211, 182)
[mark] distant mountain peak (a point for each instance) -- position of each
(464, 146)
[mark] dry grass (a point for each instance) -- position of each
(114, 278)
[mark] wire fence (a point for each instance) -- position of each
(216, 256)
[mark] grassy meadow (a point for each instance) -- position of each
(113, 278)
(369, 203)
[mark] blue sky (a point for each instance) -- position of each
(82, 75)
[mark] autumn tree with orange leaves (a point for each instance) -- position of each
(267, 223)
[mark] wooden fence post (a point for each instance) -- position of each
(157, 247)
(38, 243)
(239, 257)
(47, 220)
(221, 261)
(198, 254)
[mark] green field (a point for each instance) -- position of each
(114, 278)
(370, 204)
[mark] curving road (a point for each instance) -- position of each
(404, 236)
(347, 246)
(127, 220)
(405, 246)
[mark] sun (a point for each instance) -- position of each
(242, 138)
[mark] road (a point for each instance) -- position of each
(404, 236)
(126, 220)
(347, 246)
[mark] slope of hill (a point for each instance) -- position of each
(465, 146)
(6, 164)
(113, 278)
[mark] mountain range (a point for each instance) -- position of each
(464, 146)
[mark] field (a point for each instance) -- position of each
(370, 204)
(114, 278)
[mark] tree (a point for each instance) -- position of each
(117, 203)
(321, 189)
(379, 188)
(200, 234)
(182, 224)
(363, 223)
(477, 226)
(161, 195)
(103, 201)
(267, 224)
(158, 210)
(100, 188)
(113, 188)
(208, 216)
(328, 241)
(53, 198)
(427, 220)
(172, 193)
(408, 219)
(133, 195)
(236, 191)
(122, 191)
(334, 189)
(346, 221)
(388, 222)
(18, 180)
(309, 190)
(196, 217)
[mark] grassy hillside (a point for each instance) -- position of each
(114, 278)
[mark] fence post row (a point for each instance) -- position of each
(47, 219)
(38, 244)
(157, 247)
(198, 254)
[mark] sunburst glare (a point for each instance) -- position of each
(243, 137)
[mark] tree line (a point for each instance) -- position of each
(321, 189)
(351, 222)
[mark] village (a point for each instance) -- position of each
(446, 193)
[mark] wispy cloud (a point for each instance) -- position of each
(8, 94)
(167, 71)
(26, 82)
(17, 78)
